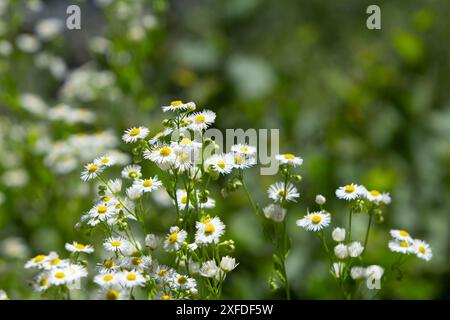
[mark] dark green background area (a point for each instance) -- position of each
(358, 105)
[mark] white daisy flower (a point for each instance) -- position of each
(101, 212)
(243, 162)
(36, 262)
(91, 171)
(209, 204)
(164, 296)
(133, 134)
(341, 251)
(274, 212)
(115, 186)
(138, 263)
(243, 149)
(355, 249)
(105, 161)
(163, 156)
(188, 144)
(178, 105)
(78, 247)
(209, 231)
(290, 159)
(181, 282)
(315, 221)
(115, 244)
(53, 261)
(132, 278)
(404, 247)
(132, 172)
(401, 235)
(174, 239)
(228, 264)
(106, 279)
(358, 273)
(279, 192)
(422, 250)
(386, 198)
(108, 266)
(134, 192)
(112, 293)
(162, 273)
(182, 159)
(59, 277)
(374, 196)
(337, 269)
(209, 269)
(222, 163)
(338, 234)
(349, 192)
(201, 120)
(42, 282)
(182, 199)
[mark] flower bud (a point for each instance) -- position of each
(320, 199)
(338, 234)
(341, 251)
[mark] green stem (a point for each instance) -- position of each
(366, 240)
(349, 234)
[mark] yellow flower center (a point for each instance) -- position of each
(349, 189)
(106, 199)
(181, 280)
(136, 261)
(55, 262)
(209, 229)
(102, 209)
(112, 295)
(200, 118)
(135, 132)
(238, 159)
(131, 277)
(422, 249)
(184, 200)
(221, 164)
(105, 160)
(166, 297)
(39, 258)
(316, 219)
(289, 156)
(118, 206)
(162, 272)
(108, 263)
(116, 243)
(92, 168)
(147, 183)
(80, 246)
(173, 237)
(243, 149)
(165, 151)
(43, 282)
(186, 141)
(281, 193)
(183, 156)
(403, 233)
(176, 103)
(375, 193)
(206, 220)
(108, 277)
(60, 275)
(404, 244)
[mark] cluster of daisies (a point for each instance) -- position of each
(347, 254)
(129, 268)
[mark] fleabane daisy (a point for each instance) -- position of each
(132, 172)
(113, 293)
(289, 159)
(182, 199)
(182, 282)
(164, 156)
(149, 184)
(36, 262)
(228, 264)
(315, 221)
(178, 105)
(108, 266)
(106, 279)
(243, 149)
(401, 246)
(174, 239)
(188, 144)
(133, 134)
(115, 186)
(100, 212)
(115, 244)
(350, 192)
(222, 163)
(79, 247)
(209, 230)
(280, 192)
(42, 282)
(274, 212)
(183, 159)
(132, 278)
(401, 235)
(54, 261)
(201, 120)
(138, 263)
(105, 161)
(162, 273)
(374, 196)
(209, 269)
(91, 171)
(243, 162)
(422, 250)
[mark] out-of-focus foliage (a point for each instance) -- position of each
(359, 105)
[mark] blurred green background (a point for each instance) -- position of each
(359, 105)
